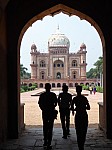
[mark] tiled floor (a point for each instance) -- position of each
(32, 139)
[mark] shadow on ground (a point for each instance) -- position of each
(58, 125)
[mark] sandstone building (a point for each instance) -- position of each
(58, 65)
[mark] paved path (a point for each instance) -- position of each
(32, 137)
(33, 112)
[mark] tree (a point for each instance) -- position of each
(23, 72)
(99, 66)
(95, 72)
(91, 73)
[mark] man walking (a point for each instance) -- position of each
(64, 102)
(47, 103)
(81, 117)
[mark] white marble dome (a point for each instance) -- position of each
(58, 39)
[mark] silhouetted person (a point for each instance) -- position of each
(64, 102)
(94, 90)
(81, 116)
(47, 103)
(90, 89)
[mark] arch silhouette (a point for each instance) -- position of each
(68, 11)
(27, 22)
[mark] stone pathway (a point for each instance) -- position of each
(33, 113)
(32, 136)
(32, 139)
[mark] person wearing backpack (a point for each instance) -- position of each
(47, 103)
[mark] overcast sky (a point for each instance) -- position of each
(76, 30)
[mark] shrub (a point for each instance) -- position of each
(99, 89)
(85, 87)
(25, 88)
(22, 90)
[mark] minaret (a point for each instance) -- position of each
(33, 61)
(83, 63)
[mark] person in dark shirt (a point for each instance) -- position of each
(64, 102)
(94, 90)
(81, 117)
(47, 103)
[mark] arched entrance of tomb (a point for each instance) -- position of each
(58, 69)
(41, 85)
(53, 85)
(16, 29)
(58, 85)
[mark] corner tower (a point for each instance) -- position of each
(33, 61)
(83, 63)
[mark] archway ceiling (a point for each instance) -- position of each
(30, 8)
(25, 12)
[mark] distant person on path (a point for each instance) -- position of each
(90, 89)
(64, 102)
(81, 117)
(94, 90)
(47, 103)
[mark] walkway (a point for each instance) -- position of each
(32, 138)
(33, 112)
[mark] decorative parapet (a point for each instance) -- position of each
(33, 65)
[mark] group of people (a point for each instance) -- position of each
(92, 89)
(48, 102)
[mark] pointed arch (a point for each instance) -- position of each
(74, 63)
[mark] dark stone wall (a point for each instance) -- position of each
(3, 78)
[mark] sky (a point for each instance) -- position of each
(76, 30)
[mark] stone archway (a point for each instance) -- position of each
(69, 11)
(51, 11)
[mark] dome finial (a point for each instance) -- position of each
(57, 30)
(58, 27)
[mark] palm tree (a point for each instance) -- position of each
(99, 66)
(98, 70)
(23, 71)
